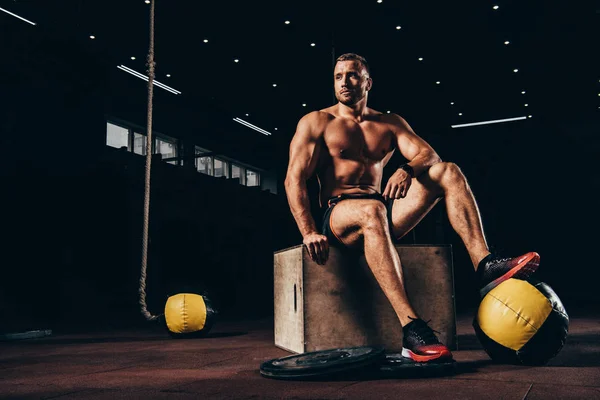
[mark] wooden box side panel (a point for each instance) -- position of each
(288, 300)
(343, 307)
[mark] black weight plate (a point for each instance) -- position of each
(397, 366)
(321, 363)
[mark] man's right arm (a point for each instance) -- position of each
(305, 148)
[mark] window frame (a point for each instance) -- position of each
(133, 129)
(257, 177)
(118, 126)
(178, 146)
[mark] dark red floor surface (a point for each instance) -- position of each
(148, 364)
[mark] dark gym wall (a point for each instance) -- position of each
(534, 183)
(72, 206)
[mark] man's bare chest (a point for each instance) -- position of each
(358, 141)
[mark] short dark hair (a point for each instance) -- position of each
(354, 57)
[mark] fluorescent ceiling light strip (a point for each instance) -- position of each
(157, 83)
(144, 77)
(16, 16)
(253, 126)
(489, 122)
(137, 74)
(249, 125)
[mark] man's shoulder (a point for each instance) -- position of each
(388, 117)
(323, 114)
(371, 112)
(317, 117)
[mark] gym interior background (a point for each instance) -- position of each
(72, 126)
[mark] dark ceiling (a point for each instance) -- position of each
(554, 46)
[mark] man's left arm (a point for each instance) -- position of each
(419, 154)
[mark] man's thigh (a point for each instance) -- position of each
(349, 217)
(407, 212)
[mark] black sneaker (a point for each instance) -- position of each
(420, 343)
(493, 270)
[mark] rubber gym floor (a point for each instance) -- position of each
(148, 364)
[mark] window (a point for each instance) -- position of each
(167, 148)
(221, 168)
(139, 144)
(204, 164)
(252, 178)
(237, 172)
(117, 136)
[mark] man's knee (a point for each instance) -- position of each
(373, 215)
(446, 172)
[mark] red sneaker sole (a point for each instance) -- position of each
(524, 269)
(444, 355)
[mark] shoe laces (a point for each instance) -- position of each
(499, 254)
(499, 260)
(423, 331)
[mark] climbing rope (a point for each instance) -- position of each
(150, 64)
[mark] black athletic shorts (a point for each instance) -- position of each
(326, 223)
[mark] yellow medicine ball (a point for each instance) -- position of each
(521, 322)
(188, 315)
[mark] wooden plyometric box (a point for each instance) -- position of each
(340, 304)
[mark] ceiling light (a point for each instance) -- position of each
(303, 104)
(168, 75)
(516, 70)
(459, 113)
(388, 111)
(144, 77)
(526, 105)
(529, 116)
(247, 115)
(488, 122)
(274, 85)
(451, 103)
(16, 16)
(92, 37)
(205, 40)
(507, 42)
(420, 58)
(380, 1)
(398, 27)
(147, 1)
(523, 92)
(313, 45)
(275, 128)
(437, 83)
(249, 125)
(236, 60)
(495, 7)
(133, 58)
(287, 22)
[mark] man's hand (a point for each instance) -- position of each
(398, 185)
(318, 247)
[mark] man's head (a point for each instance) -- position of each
(351, 78)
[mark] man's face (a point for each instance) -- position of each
(351, 82)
